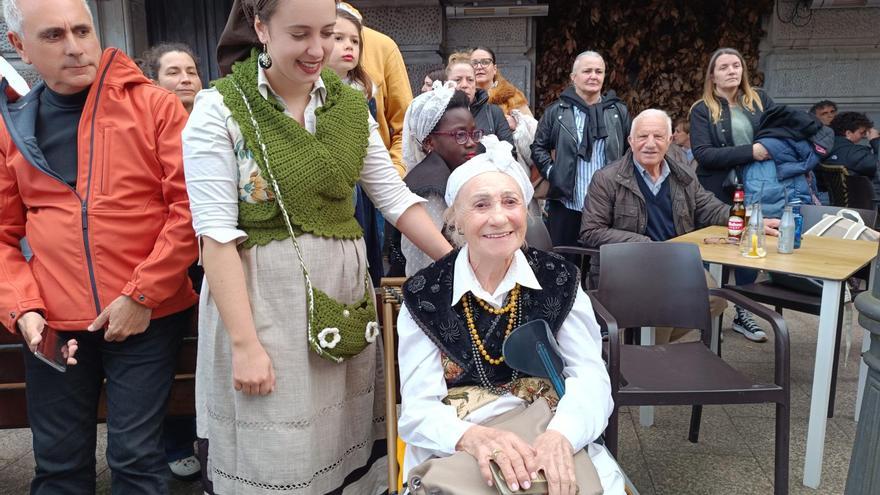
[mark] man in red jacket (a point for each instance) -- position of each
(91, 170)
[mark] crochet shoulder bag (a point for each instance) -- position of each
(336, 331)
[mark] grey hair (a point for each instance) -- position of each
(585, 54)
(451, 231)
(655, 112)
(14, 19)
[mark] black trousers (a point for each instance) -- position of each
(563, 224)
(63, 407)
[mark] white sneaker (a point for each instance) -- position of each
(186, 469)
(745, 325)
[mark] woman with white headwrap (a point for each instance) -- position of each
(457, 313)
(439, 134)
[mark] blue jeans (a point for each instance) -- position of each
(744, 276)
(63, 407)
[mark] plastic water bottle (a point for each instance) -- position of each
(798, 222)
(786, 232)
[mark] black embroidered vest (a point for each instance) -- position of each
(427, 295)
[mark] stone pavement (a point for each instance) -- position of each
(734, 455)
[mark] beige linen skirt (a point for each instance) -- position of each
(323, 419)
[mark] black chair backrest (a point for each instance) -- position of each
(654, 284)
(859, 192)
(833, 176)
(812, 214)
(537, 235)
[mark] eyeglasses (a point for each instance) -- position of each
(461, 136)
(719, 240)
(482, 62)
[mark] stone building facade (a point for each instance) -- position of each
(421, 28)
(833, 56)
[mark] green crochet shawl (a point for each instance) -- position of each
(316, 173)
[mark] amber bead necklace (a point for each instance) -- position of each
(509, 309)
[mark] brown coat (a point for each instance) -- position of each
(615, 208)
(507, 96)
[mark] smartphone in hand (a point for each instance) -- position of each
(52, 350)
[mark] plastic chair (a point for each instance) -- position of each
(537, 235)
(586, 255)
(845, 188)
(780, 297)
(661, 285)
(859, 192)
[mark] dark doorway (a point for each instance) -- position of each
(198, 23)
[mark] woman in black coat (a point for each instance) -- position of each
(720, 140)
(489, 117)
(723, 125)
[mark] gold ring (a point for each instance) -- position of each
(495, 453)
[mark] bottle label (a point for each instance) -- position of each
(739, 196)
(735, 226)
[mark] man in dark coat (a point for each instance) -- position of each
(849, 129)
(651, 194)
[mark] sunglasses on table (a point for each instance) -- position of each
(461, 136)
(482, 62)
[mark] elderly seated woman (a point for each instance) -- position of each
(457, 313)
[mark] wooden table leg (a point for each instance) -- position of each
(390, 394)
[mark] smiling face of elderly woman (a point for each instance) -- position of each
(491, 212)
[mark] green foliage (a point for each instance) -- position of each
(656, 50)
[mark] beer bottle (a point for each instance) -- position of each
(736, 223)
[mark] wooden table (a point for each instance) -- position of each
(833, 261)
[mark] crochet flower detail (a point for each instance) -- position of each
(372, 331)
(329, 337)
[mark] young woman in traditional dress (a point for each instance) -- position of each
(287, 383)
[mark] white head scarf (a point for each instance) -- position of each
(421, 118)
(497, 158)
(351, 10)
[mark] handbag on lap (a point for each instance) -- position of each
(459, 473)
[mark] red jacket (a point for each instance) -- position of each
(126, 229)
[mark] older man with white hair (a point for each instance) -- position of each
(648, 195)
(91, 168)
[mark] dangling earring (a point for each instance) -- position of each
(459, 230)
(264, 59)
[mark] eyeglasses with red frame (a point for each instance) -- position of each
(461, 136)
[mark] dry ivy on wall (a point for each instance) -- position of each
(656, 50)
